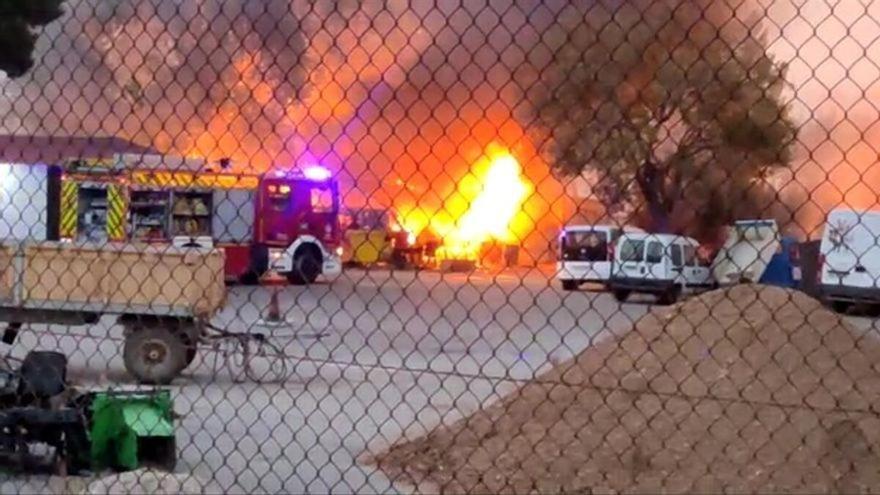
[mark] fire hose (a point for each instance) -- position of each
(239, 352)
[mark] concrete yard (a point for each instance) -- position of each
(376, 355)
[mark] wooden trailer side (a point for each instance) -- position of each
(7, 272)
(124, 278)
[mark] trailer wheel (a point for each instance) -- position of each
(306, 266)
(190, 339)
(621, 295)
(154, 355)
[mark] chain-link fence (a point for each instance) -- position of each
(284, 246)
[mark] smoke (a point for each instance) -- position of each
(833, 69)
(401, 97)
(159, 72)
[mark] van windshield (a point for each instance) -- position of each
(589, 245)
(632, 250)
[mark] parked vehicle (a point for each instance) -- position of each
(163, 296)
(366, 236)
(849, 258)
(664, 265)
(748, 248)
(784, 269)
(586, 253)
(286, 220)
(86, 429)
(297, 223)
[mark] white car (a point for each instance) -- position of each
(664, 265)
(586, 253)
(850, 258)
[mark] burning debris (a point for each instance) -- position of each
(486, 207)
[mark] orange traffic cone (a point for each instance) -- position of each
(273, 311)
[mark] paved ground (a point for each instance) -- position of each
(397, 354)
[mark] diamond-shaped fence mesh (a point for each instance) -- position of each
(482, 246)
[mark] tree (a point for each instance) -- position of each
(671, 105)
(18, 19)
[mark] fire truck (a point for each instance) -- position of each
(285, 220)
(296, 226)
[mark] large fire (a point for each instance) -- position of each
(487, 206)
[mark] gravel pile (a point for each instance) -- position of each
(748, 389)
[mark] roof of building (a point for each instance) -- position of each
(57, 149)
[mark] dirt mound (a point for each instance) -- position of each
(747, 389)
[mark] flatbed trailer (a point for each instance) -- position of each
(163, 296)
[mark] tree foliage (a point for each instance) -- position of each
(18, 20)
(673, 106)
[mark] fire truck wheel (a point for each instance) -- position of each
(154, 355)
(306, 267)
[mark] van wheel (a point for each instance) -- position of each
(841, 306)
(621, 295)
(306, 268)
(670, 296)
(569, 285)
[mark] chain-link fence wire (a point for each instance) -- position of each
(468, 247)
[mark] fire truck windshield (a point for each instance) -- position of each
(322, 199)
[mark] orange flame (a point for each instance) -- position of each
(487, 206)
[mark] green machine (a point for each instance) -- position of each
(132, 429)
(93, 430)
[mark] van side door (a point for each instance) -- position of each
(699, 274)
(680, 272)
(630, 259)
(655, 261)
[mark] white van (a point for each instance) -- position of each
(850, 258)
(665, 265)
(586, 253)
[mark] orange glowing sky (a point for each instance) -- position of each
(403, 98)
(833, 53)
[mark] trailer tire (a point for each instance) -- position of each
(569, 285)
(306, 266)
(154, 355)
(190, 338)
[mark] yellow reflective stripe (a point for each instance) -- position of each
(159, 178)
(116, 209)
(69, 199)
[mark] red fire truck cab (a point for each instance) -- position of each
(295, 229)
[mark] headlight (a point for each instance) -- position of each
(275, 255)
(339, 251)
